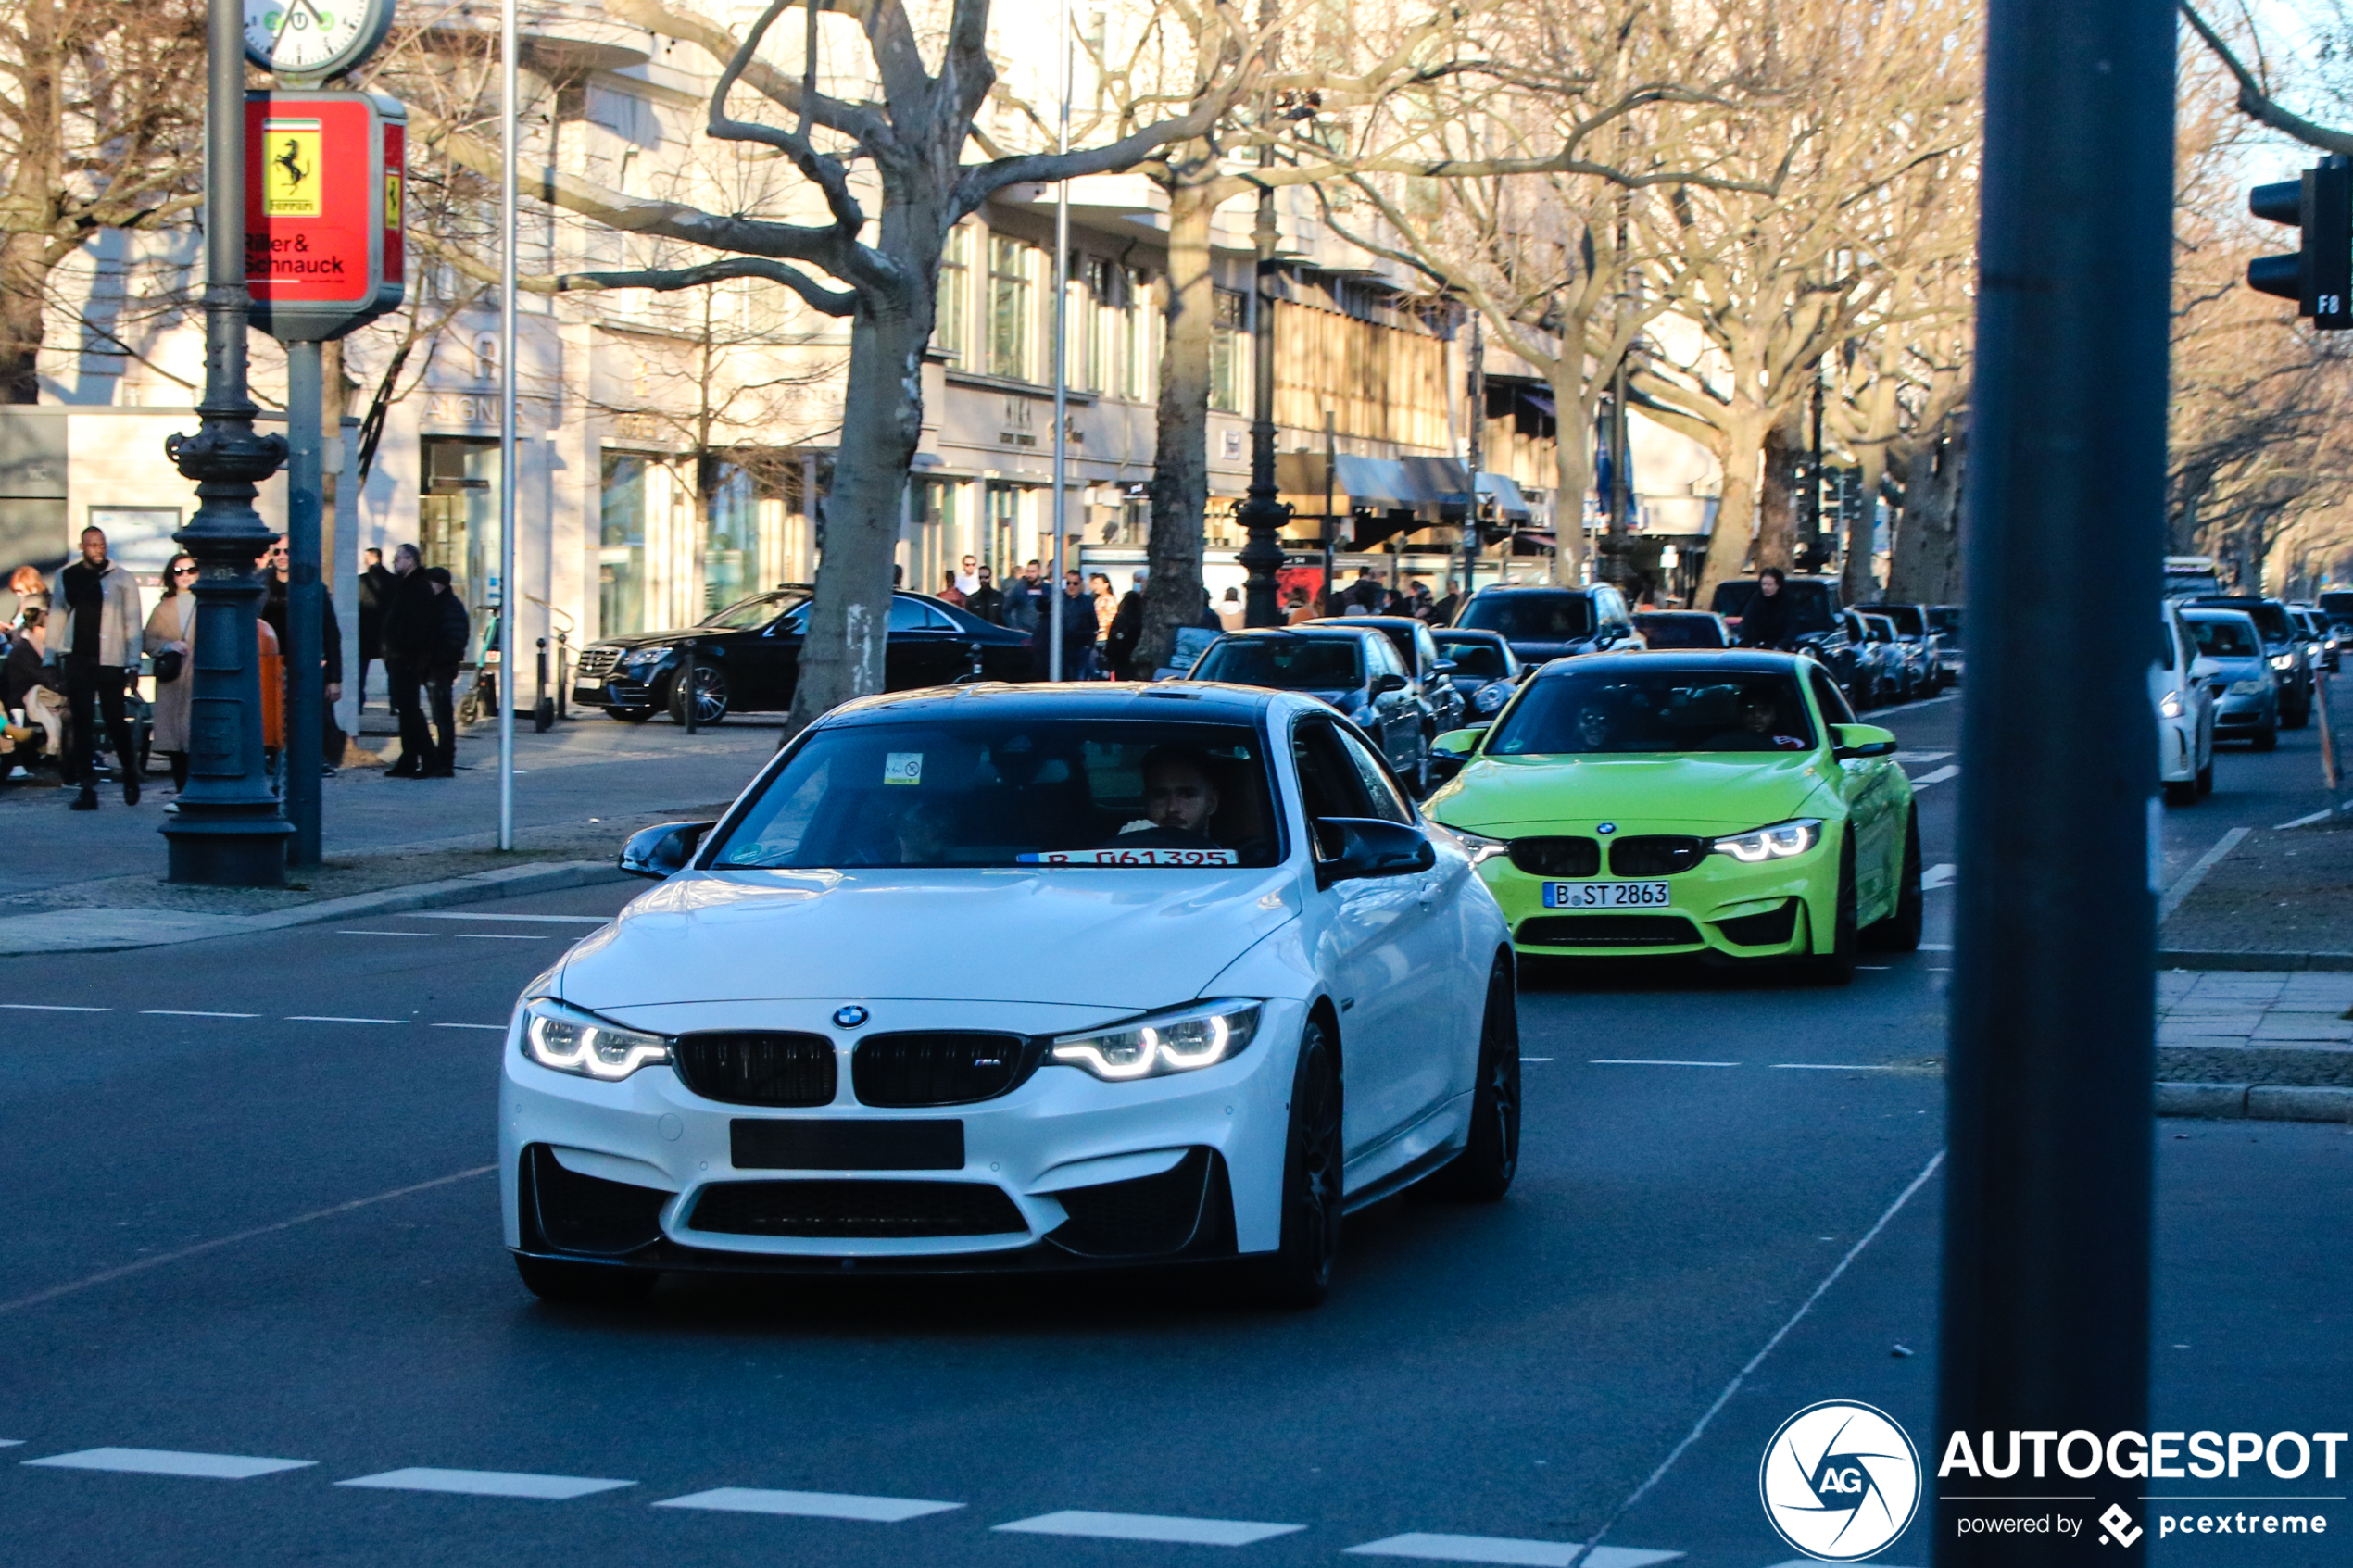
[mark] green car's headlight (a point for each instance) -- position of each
(571, 1041)
(1480, 847)
(1778, 842)
(1181, 1040)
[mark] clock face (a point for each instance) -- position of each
(313, 38)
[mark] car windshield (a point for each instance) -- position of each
(998, 791)
(1473, 661)
(749, 614)
(2225, 639)
(1531, 618)
(1291, 664)
(2270, 619)
(1906, 618)
(1681, 631)
(2337, 607)
(1665, 709)
(1946, 619)
(1809, 603)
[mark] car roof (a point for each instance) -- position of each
(1349, 620)
(1756, 661)
(1659, 614)
(1470, 633)
(1519, 589)
(1321, 629)
(2217, 612)
(1195, 702)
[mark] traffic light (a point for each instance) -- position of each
(2319, 276)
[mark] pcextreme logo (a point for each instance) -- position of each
(1839, 1480)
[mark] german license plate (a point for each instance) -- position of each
(1607, 895)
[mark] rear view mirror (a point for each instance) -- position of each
(1852, 741)
(663, 849)
(1444, 667)
(1459, 743)
(1392, 682)
(1364, 847)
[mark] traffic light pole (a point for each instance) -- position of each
(2046, 1288)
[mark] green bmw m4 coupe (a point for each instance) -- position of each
(1720, 804)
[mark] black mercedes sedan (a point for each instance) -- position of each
(748, 658)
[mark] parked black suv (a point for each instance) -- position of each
(1543, 623)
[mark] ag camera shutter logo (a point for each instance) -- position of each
(1839, 1480)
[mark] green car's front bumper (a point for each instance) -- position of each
(1780, 908)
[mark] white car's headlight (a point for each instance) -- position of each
(1778, 842)
(638, 659)
(571, 1041)
(2169, 706)
(2284, 662)
(1181, 1040)
(1492, 695)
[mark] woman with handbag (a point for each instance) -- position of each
(170, 641)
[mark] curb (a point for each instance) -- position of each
(115, 931)
(2200, 958)
(2258, 1102)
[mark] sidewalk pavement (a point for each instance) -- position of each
(88, 882)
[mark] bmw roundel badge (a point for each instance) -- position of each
(849, 1017)
(1605, 827)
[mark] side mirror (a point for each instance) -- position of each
(1365, 846)
(1461, 743)
(1444, 667)
(1392, 682)
(663, 849)
(1850, 740)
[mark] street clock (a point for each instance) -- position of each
(307, 41)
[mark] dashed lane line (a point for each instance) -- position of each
(105, 1276)
(1652, 1061)
(387, 932)
(48, 1007)
(508, 936)
(1515, 1553)
(810, 1505)
(1937, 777)
(498, 1028)
(1834, 1067)
(488, 1484)
(534, 920)
(330, 1018)
(166, 1461)
(201, 1012)
(1150, 1527)
(190, 1012)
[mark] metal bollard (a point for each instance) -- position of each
(563, 673)
(543, 711)
(687, 678)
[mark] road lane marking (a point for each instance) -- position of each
(1504, 1550)
(1528, 1059)
(1150, 1527)
(327, 1018)
(2188, 883)
(536, 920)
(1834, 1067)
(190, 1012)
(1780, 1334)
(507, 936)
(1932, 879)
(48, 1007)
(1921, 755)
(1939, 776)
(1652, 1061)
(1907, 706)
(1936, 946)
(2322, 815)
(810, 1505)
(387, 932)
(165, 1461)
(107, 1275)
(11, 1442)
(488, 1483)
(500, 1027)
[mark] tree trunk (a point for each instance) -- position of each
(1572, 465)
(1172, 595)
(1777, 497)
(1736, 450)
(1924, 566)
(841, 657)
(24, 276)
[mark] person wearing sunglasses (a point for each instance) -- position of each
(277, 579)
(170, 641)
(97, 648)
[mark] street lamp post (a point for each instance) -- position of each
(1263, 513)
(227, 830)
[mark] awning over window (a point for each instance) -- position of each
(1381, 497)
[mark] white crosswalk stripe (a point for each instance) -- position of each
(169, 1461)
(487, 1483)
(1934, 877)
(1936, 777)
(1504, 1550)
(810, 1505)
(1150, 1527)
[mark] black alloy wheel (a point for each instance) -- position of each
(1837, 966)
(710, 695)
(1899, 930)
(1483, 1172)
(2181, 791)
(583, 1284)
(1299, 1272)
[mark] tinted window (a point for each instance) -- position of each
(999, 792)
(1329, 783)
(2337, 607)
(1531, 618)
(1681, 631)
(1828, 698)
(913, 615)
(2270, 619)
(2225, 639)
(1287, 663)
(1810, 604)
(1946, 619)
(1379, 794)
(1907, 617)
(748, 614)
(1474, 662)
(1660, 709)
(1382, 653)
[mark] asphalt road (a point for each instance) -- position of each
(256, 1218)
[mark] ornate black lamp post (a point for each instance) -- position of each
(227, 830)
(1261, 513)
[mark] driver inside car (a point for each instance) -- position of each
(1180, 797)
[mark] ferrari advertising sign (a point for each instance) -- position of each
(324, 249)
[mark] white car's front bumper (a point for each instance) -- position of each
(1062, 1169)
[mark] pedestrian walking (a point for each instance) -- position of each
(1126, 631)
(278, 582)
(949, 593)
(376, 593)
(1106, 606)
(410, 630)
(1231, 611)
(170, 642)
(1418, 603)
(1077, 612)
(97, 648)
(448, 654)
(967, 578)
(1026, 604)
(988, 601)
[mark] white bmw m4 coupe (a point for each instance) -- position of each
(1010, 978)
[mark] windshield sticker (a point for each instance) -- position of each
(1132, 857)
(903, 768)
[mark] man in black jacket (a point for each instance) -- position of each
(375, 592)
(1767, 622)
(448, 654)
(277, 581)
(409, 634)
(1127, 630)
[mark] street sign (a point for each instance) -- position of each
(325, 251)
